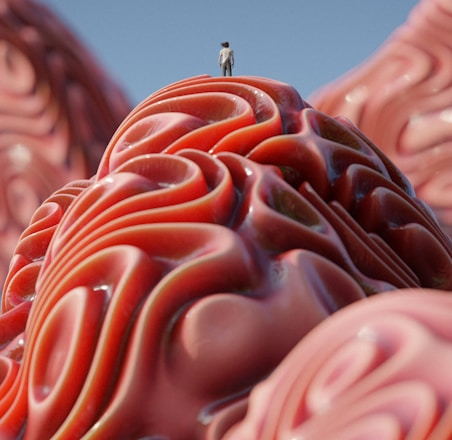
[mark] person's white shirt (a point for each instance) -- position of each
(226, 54)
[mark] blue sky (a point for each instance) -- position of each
(148, 44)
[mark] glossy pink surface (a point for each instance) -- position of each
(401, 98)
(226, 220)
(378, 369)
(58, 110)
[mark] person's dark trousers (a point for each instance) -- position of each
(226, 68)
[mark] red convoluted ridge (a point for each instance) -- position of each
(378, 369)
(226, 220)
(401, 99)
(58, 110)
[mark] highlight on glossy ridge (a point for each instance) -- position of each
(400, 98)
(226, 220)
(58, 110)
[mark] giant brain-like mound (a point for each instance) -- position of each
(226, 220)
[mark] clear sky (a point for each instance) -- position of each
(148, 44)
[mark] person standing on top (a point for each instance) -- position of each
(226, 59)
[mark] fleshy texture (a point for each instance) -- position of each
(58, 110)
(382, 373)
(401, 99)
(226, 220)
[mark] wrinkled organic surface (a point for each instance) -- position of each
(401, 99)
(226, 220)
(58, 111)
(382, 373)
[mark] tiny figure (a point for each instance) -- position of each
(226, 59)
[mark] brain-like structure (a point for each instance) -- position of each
(378, 369)
(58, 110)
(401, 99)
(226, 220)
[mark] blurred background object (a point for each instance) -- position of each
(58, 110)
(401, 98)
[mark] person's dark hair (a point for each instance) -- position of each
(225, 44)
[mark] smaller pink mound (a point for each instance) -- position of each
(377, 369)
